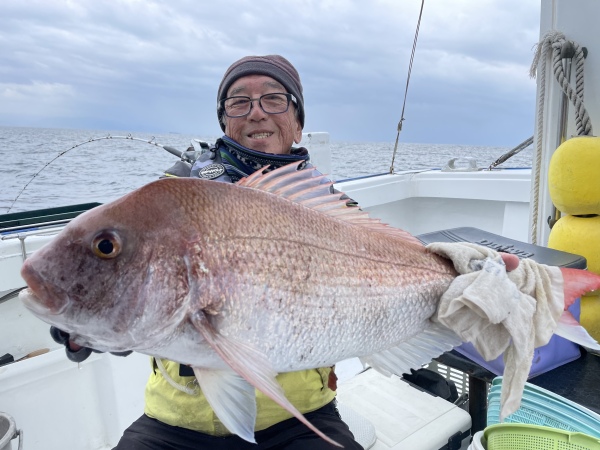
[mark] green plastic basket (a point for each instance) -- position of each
(518, 436)
(544, 408)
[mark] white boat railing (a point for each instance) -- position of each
(23, 235)
(14, 249)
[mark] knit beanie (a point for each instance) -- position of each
(274, 66)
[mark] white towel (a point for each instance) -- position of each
(500, 312)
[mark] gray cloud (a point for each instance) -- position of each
(155, 65)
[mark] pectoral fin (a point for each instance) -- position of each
(253, 367)
(232, 398)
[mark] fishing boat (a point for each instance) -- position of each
(48, 402)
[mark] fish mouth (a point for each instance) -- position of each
(42, 298)
(33, 303)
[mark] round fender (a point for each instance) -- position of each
(578, 235)
(574, 176)
(590, 315)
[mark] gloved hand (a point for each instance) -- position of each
(76, 353)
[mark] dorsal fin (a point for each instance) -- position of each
(310, 188)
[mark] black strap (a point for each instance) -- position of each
(186, 371)
(455, 441)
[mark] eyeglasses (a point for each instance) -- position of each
(240, 106)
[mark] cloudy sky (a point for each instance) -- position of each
(154, 65)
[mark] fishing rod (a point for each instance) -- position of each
(523, 145)
(189, 156)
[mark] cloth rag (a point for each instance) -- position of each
(501, 312)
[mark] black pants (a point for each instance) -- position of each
(151, 434)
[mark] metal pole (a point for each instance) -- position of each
(478, 391)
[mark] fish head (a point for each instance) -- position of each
(115, 277)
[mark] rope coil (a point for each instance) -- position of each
(554, 45)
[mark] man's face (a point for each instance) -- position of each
(268, 133)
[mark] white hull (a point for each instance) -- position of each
(423, 202)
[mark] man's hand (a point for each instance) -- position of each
(510, 261)
(75, 352)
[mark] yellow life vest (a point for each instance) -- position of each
(307, 390)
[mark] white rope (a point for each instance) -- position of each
(539, 66)
(553, 42)
(171, 381)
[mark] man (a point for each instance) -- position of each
(261, 110)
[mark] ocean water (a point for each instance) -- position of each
(45, 167)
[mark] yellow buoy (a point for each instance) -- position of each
(578, 235)
(574, 176)
(581, 236)
(590, 315)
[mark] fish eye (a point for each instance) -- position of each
(106, 245)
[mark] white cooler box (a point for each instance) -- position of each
(403, 415)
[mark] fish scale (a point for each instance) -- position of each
(318, 280)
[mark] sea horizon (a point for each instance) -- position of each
(47, 167)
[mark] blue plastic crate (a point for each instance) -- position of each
(544, 408)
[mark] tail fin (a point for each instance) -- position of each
(576, 283)
(569, 328)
